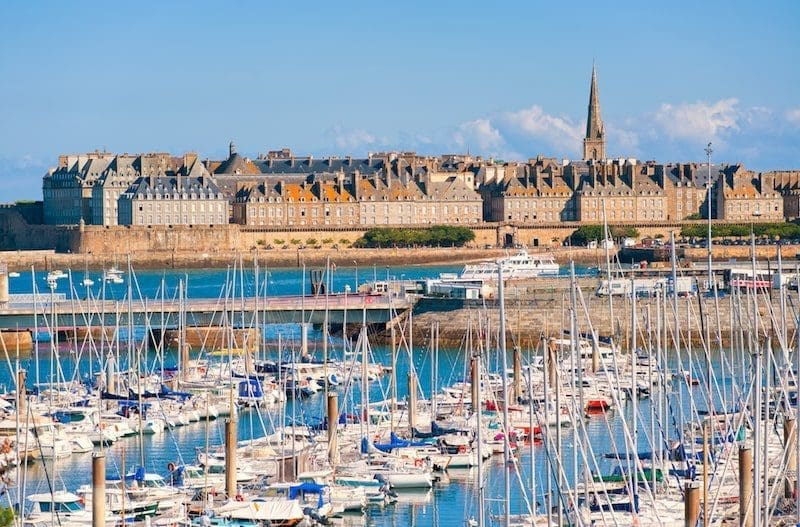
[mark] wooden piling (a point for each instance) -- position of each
(98, 489)
(745, 486)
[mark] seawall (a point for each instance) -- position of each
(291, 257)
(529, 317)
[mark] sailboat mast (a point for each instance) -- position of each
(504, 376)
(756, 391)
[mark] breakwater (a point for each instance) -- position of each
(546, 314)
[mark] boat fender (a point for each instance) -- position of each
(418, 463)
(368, 300)
(239, 497)
(462, 449)
(171, 466)
(564, 411)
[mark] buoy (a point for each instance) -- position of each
(462, 449)
(418, 463)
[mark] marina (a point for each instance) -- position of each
(288, 422)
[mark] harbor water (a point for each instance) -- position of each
(454, 497)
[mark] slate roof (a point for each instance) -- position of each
(169, 185)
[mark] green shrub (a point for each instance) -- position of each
(587, 233)
(279, 241)
(327, 241)
(6, 516)
(782, 230)
(295, 241)
(437, 235)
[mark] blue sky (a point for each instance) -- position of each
(508, 79)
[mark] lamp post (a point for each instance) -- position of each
(355, 265)
(709, 151)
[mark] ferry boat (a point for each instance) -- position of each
(521, 265)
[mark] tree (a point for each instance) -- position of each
(437, 235)
(294, 241)
(311, 241)
(327, 241)
(279, 241)
(587, 233)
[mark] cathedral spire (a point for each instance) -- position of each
(594, 144)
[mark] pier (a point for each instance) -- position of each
(311, 309)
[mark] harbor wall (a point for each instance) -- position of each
(547, 314)
(277, 257)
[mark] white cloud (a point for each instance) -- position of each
(478, 133)
(757, 135)
(700, 121)
(623, 141)
(560, 133)
(351, 140)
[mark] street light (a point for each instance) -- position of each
(709, 151)
(355, 265)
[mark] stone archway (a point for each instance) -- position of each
(507, 236)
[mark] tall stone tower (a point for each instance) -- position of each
(594, 144)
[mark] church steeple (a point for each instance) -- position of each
(594, 144)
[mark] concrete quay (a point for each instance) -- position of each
(530, 317)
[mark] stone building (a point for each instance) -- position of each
(622, 190)
(744, 196)
(787, 183)
(284, 204)
(686, 187)
(532, 193)
(118, 176)
(187, 195)
(67, 188)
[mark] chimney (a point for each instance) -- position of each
(310, 160)
(231, 149)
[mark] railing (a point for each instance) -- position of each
(30, 298)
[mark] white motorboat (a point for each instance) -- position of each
(56, 274)
(113, 275)
(521, 265)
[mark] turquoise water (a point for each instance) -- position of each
(452, 499)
